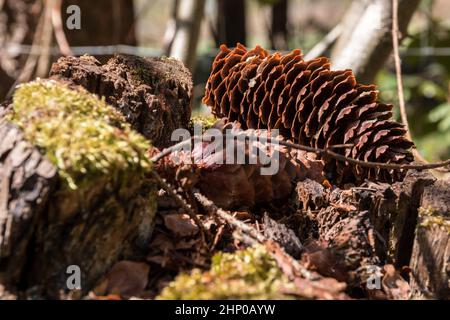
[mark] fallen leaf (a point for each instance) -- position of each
(394, 285)
(180, 225)
(125, 279)
(162, 243)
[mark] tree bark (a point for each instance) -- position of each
(102, 23)
(430, 261)
(27, 180)
(231, 22)
(366, 43)
(373, 225)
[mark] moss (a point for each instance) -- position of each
(82, 135)
(205, 121)
(430, 218)
(246, 274)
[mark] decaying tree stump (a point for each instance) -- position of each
(430, 261)
(406, 223)
(81, 198)
(154, 94)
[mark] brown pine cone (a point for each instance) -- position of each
(235, 185)
(310, 104)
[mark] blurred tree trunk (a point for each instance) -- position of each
(18, 23)
(279, 25)
(102, 23)
(188, 20)
(231, 21)
(366, 40)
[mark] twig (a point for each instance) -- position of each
(58, 29)
(369, 164)
(30, 63)
(320, 48)
(323, 152)
(180, 201)
(173, 148)
(398, 67)
(398, 71)
(46, 40)
(248, 230)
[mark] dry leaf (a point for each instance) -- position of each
(125, 279)
(394, 285)
(181, 225)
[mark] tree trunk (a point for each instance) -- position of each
(19, 20)
(366, 42)
(231, 22)
(102, 23)
(189, 16)
(279, 26)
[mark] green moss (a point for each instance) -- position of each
(82, 135)
(205, 121)
(246, 274)
(429, 218)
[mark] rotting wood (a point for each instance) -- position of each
(26, 182)
(154, 94)
(430, 260)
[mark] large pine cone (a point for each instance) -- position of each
(310, 104)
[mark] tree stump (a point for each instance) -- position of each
(154, 94)
(375, 224)
(82, 197)
(430, 261)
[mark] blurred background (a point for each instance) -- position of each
(353, 33)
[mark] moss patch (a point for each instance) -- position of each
(205, 121)
(430, 218)
(246, 274)
(82, 135)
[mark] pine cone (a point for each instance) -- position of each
(310, 104)
(231, 186)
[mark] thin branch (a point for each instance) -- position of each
(173, 148)
(248, 230)
(323, 152)
(58, 29)
(368, 164)
(30, 64)
(320, 48)
(398, 71)
(180, 201)
(46, 41)
(398, 67)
